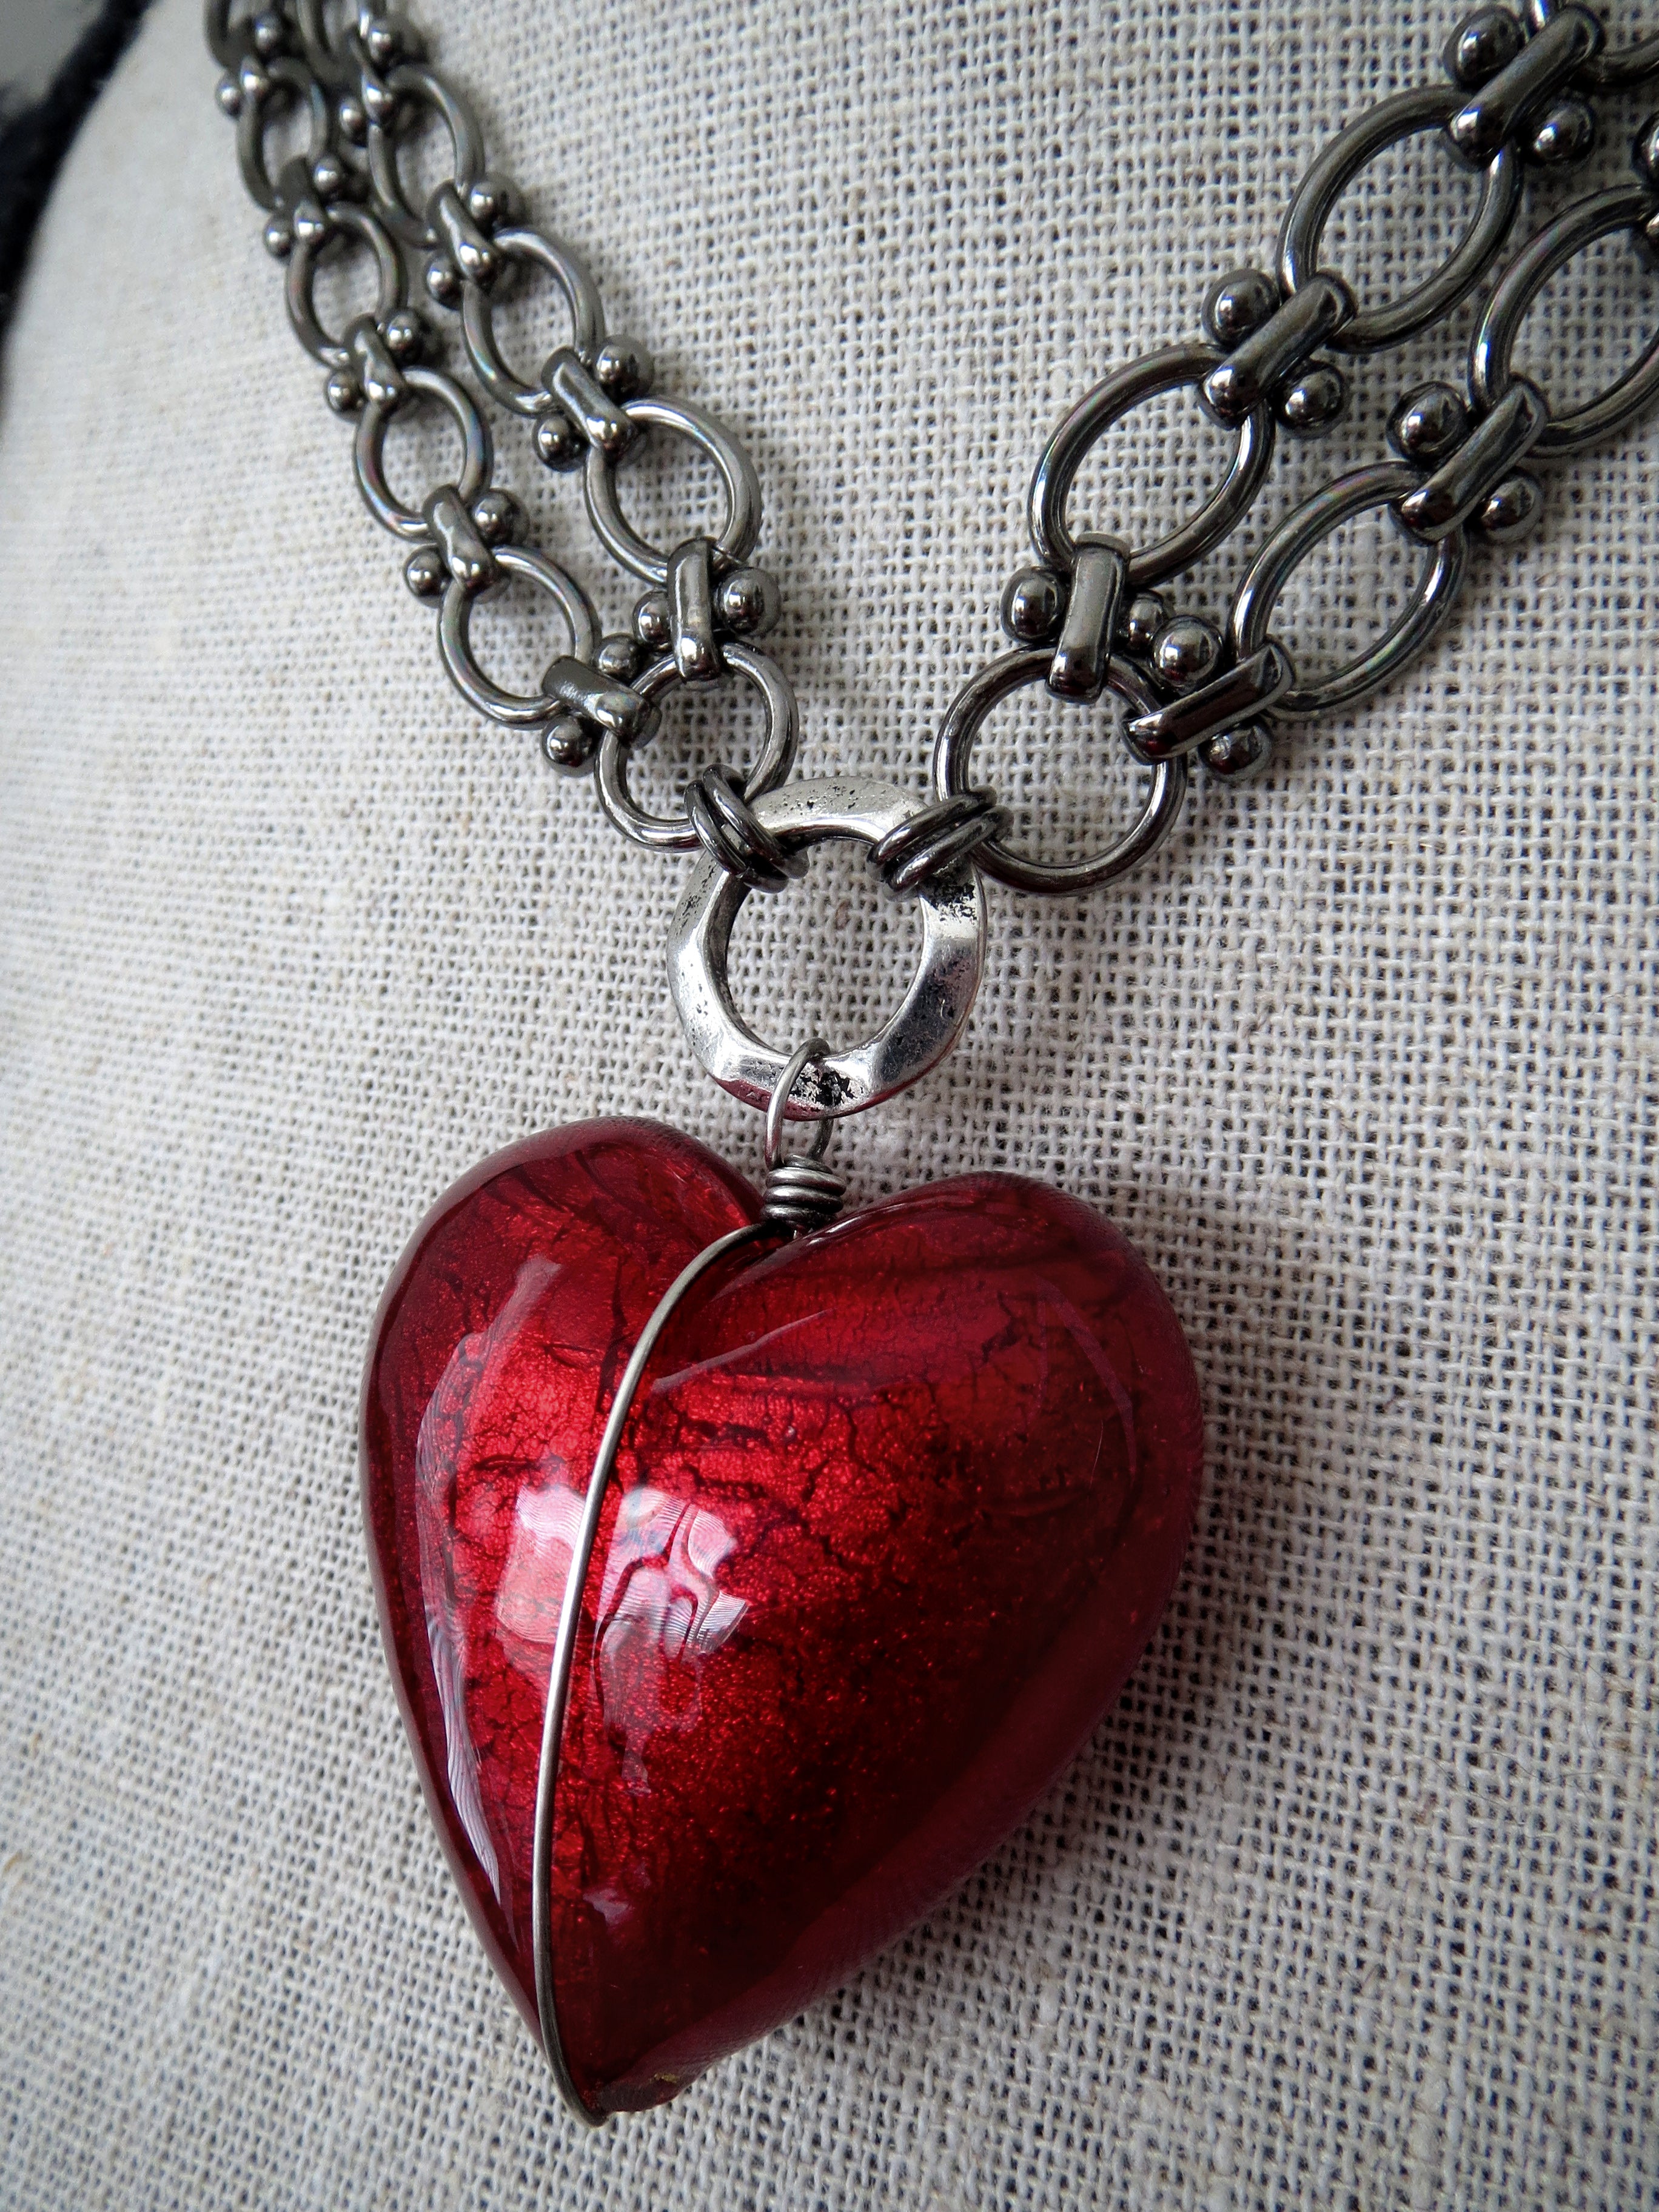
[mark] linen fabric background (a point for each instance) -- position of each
(1351, 1900)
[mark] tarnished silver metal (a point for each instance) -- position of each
(1249, 376)
(455, 639)
(1099, 569)
(1473, 469)
(1626, 207)
(1174, 369)
(1431, 600)
(675, 834)
(1551, 57)
(928, 1020)
(413, 81)
(369, 453)
(739, 525)
(525, 248)
(953, 754)
(1240, 694)
(1372, 329)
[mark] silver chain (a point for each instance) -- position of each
(1087, 617)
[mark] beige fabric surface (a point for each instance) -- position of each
(1350, 1902)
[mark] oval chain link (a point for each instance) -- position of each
(1086, 617)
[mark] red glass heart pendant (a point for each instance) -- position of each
(896, 1507)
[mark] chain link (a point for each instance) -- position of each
(1085, 618)
(1517, 97)
(364, 82)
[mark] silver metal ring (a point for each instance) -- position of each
(1627, 207)
(738, 529)
(347, 224)
(291, 79)
(953, 753)
(929, 1019)
(414, 80)
(368, 454)
(1172, 369)
(528, 248)
(1432, 596)
(1427, 108)
(777, 1106)
(455, 640)
(666, 833)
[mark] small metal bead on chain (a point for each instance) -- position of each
(1087, 614)
(1483, 43)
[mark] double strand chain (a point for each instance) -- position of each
(1086, 618)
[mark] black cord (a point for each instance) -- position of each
(34, 142)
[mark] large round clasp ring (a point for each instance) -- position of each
(1170, 370)
(953, 752)
(739, 526)
(929, 1018)
(666, 833)
(1426, 108)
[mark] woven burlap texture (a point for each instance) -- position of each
(1351, 1899)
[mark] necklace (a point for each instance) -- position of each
(745, 1572)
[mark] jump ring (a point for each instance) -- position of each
(953, 761)
(777, 1106)
(455, 643)
(666, 833)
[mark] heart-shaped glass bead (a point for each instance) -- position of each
(896, 1507)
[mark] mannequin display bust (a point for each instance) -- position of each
(1346, 1899)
